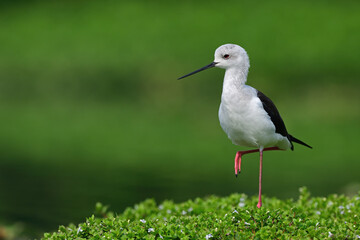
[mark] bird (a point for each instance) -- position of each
(247, 116)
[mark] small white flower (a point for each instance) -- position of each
(190, 209)
(79, 230)
(225, 215)
(348, 206)
(168, 211)
(318, 212)
(161, 207)
(183, 212)
(342, 212)
(330, 234)
(235, 211)
(246, 223)
(208, 236)
(330, 203)
(357, 236)
(241, 204)
(160, 236)
(150, 230)
(341, 207)
(143, 220)
(317, 224)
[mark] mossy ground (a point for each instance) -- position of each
(232, 217)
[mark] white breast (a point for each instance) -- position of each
(244, 120)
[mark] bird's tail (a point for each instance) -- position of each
(293, 139)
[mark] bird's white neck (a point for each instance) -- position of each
(234, 79)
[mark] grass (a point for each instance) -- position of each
(232, 217)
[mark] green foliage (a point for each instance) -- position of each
(232, 217)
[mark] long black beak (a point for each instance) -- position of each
(199, 70)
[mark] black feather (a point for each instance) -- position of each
(273, 113)
(276, 119)
(293, 139)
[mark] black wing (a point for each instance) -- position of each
(274, 114)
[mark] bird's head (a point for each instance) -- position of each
(227, 56)
(231, 55)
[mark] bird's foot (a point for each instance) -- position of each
(238, 163)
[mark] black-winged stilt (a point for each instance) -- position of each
(247, 116)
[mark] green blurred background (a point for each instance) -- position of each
(91, 109)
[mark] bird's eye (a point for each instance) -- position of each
(226, 56)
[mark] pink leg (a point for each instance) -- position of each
(240, 153)
(238, 165)
(237, 156)
(260, 176)
(238, 159)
